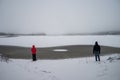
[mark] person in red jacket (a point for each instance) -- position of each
(33, 50)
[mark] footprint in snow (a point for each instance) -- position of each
(103, 71)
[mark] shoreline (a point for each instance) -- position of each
(73, 51)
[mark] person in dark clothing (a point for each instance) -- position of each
(96, 51)
(33, 50)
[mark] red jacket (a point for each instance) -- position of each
(33, 49)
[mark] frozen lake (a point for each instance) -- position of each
(52, 41)
(62, 69)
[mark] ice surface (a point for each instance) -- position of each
(51, 41)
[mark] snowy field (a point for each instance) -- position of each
(64, 69)
(51, 41)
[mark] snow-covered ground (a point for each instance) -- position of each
(51, 41)
(65, 69)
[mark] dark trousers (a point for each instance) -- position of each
(34, 57)
(97, 57)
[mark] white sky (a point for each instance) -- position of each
(59, 16)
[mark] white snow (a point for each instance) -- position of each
(60, 50)
(64, 69)
(51, 41)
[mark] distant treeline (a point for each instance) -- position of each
(97, 33)
(33, 34)
(14, 34)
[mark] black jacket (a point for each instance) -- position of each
(96, 49)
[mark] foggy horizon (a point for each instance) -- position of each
(59, 16)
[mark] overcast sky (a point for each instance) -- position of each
(59, 16)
